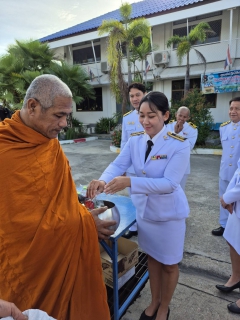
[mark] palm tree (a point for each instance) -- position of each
(120, 33)
(140, 53)
(186, 43)
(29, 59)
(75, 78)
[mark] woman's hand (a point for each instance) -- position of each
(95, 187)
(226, 206)
(117, 184)
(8, 309)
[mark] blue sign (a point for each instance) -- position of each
(227, 81)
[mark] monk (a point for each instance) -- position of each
(49, 252)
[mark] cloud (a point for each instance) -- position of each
(66, 15)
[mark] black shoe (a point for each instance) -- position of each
(128, 234)
(218, 232)
(233, 307)
(228, 289)
(145, 317)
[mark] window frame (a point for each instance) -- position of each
(194, 82)
(88, 101)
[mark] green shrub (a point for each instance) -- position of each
(105, 125)
(116, 138)
(74, 133)
(200, 113)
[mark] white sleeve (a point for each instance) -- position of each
(119, 166)
(124, 137)
(193, 138)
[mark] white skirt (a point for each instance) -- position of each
(163, 241)
(232, 231)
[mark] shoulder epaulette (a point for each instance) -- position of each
(192, 125)
(127, 113)
(137, 133)
(171, 121)
(176, 136)
(225, 123)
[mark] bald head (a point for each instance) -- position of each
(182, 115)
(46, 88)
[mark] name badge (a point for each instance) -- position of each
(131, 122)
(159, 157)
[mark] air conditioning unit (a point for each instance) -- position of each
(160, 57)
(104, 67)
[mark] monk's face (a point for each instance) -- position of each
(50, 121)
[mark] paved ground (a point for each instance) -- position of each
(206, 258)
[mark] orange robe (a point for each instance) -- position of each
(49, 253)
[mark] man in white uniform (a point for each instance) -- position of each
(131, 124)
(230, 139)
(185, 129)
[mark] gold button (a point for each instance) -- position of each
(230, 156)
(234, 128)
(232, 146)
(230, 164)
(233, 137)
(144, 172)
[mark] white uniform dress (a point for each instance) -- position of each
(230, 139)
(191, 133)
(232, 195)
(161, 204)
(130, 124)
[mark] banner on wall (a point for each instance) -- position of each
(227, 81)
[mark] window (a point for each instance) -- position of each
(136, 43)
(178, 91)
(211, 37)
(90, 104)
(85, 55)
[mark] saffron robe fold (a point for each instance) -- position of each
(49, 253)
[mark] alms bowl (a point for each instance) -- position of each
(111, 213)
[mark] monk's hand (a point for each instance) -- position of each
(95, 187)
(102, 225)
(8, 309)
(178, 127)
(117, 184)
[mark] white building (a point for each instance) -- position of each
(82, 44)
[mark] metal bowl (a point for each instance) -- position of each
(111, 213)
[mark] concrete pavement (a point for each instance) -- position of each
(206, 258)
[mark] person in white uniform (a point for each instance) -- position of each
(161, 204)
(131, 124)
(187, 130)
(231, 202)
(230, 139)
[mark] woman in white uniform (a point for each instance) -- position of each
(161, 205)
(231, 201)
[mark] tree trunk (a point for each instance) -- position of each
(187, 77)
(129, 65)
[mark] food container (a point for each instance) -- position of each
(111, 213)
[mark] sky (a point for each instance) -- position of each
(34, 19)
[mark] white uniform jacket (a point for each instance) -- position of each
(189, 131)
(230, 139)
(232, 194)
(130, 124)
(155, 191)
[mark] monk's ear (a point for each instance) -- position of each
(31, 106)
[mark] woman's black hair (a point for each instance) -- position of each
(157, 101)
